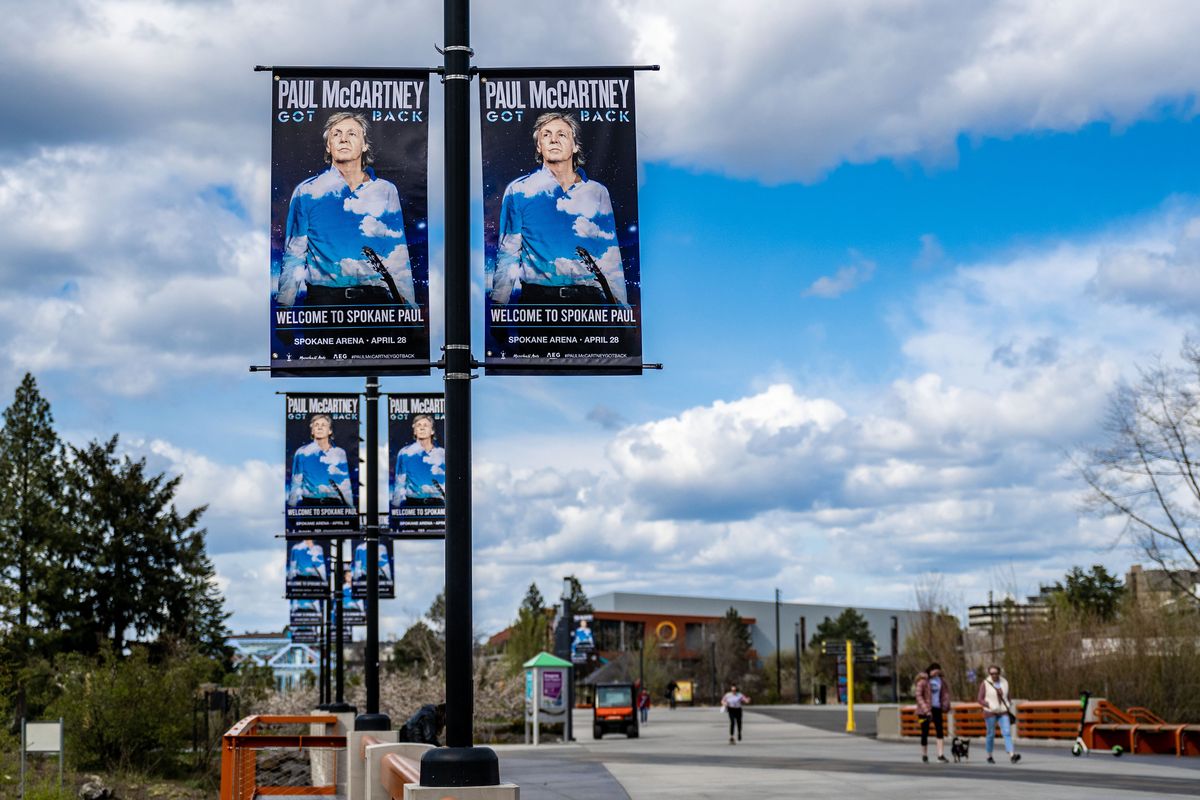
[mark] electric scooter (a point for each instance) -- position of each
(1079, 748)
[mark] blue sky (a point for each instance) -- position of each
(895, 259)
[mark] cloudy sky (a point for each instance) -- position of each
(896, 255)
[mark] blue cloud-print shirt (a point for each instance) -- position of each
(327, 226)
(541, 224)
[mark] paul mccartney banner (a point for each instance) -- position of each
(417, 455)
(349, 222)
(358, 569)
(321, 441)
(304, 613)
(307, 573)
(562, 275)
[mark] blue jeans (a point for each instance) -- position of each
(1005, 731)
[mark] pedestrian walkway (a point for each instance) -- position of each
(686, 754)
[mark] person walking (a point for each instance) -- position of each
(933, 704)
(994, 700)
(732, 704)
(643, 704)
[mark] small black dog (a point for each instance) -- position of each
(961, 749)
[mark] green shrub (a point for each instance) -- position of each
(120, 714)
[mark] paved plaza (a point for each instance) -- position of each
(798, 752)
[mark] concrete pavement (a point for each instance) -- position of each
(685, 754)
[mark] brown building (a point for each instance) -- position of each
(1155, 588)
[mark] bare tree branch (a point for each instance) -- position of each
(1145, 472)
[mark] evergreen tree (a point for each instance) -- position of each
(849, 625)
(144, 566)
(734, 628)
(1097, 592)
(579, 600)
(530, 633)
(34, 544)
(418, 648)
(533, 599)
(437, 615)
(727, 653)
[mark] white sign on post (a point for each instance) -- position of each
(43, 737)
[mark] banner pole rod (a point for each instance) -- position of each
(458, 764)
(372, 720)
(460, 699)
(339, 628)
(326, 641)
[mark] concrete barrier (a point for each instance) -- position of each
(506, 791)
(358, 786)
(887, 723)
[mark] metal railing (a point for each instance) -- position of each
(281, 755)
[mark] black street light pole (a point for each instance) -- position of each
(567, 630)
(458, 764)
(325, 639)
(803, 637)
(895, 659)
(340, 703)
(642, 658)
(797, 662)
(372, 720)
(778, 654)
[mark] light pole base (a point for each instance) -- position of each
(372, 722)
(460, 766)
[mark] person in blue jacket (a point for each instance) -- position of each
(320, 469)
(360, 563)
(333, 216)
(307, 560)
(420, 474)
(557, 242)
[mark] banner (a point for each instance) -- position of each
(358, 570)
(307, 569)
(417, 482)
(349, 222)
(347, 632)
(304, 612)
(354, 608)
(583, 643)
(321, 440)
(561, 266)
(306, 635)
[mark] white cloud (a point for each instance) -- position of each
(845, 279)
(858, 81)
(932, 252)
(245, 501)
(371, 226)
(115, 260)
(1167, 276)
(584, 227)
(777, 97)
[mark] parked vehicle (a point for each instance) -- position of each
(614, 711)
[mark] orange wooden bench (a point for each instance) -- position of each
(968, 721)
(1048, 719)
(396, 771)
